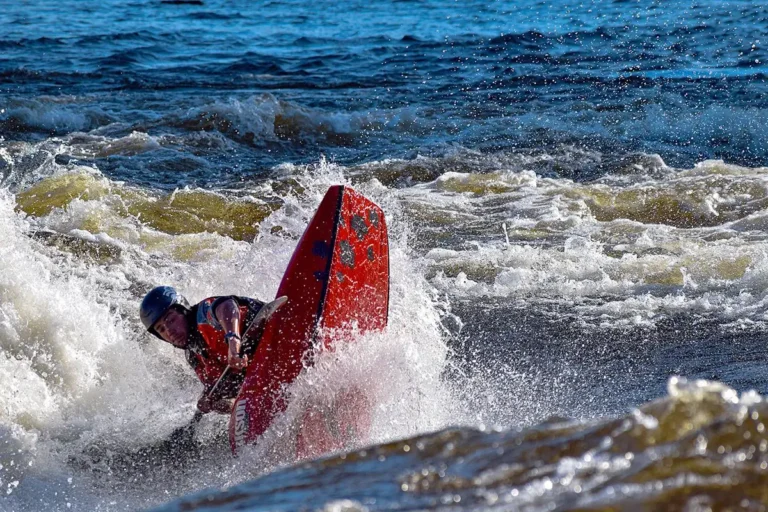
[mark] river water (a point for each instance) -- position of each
(577, 210)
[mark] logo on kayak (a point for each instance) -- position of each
(241, 423)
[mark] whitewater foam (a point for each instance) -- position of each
(645, 247)
(99, 387)
(108, 388)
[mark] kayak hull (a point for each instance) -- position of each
(337, 284)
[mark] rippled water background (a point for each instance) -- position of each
(578, 211)
(287, 81)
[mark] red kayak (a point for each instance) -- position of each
(337, 281)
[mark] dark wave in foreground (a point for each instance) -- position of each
(701, 446)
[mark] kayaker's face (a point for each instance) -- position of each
(172, 327)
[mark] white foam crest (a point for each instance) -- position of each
(520, 271)
(36, 325)
(47, 116)
(266, 118)
(73, 373)
(638, 271)
(726, 280)
(81, 145)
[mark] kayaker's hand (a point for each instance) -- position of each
(221, 405)
(205, 404)
(235, 361)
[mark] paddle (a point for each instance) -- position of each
(251, 338)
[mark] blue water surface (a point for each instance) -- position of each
(289, 81)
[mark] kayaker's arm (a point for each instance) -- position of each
(228, 315)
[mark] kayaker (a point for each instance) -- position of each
(209, 333)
